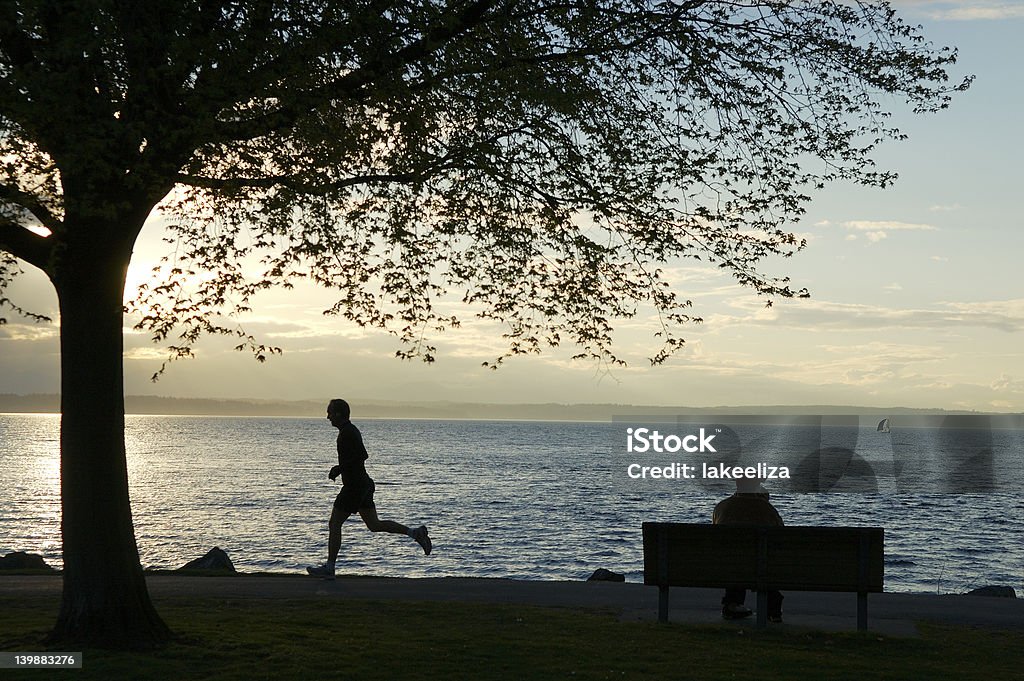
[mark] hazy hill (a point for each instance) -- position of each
(139, 404)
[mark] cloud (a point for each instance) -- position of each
(886, 226)
(962, 10)
(871, 366)
(16, 331)
(1007, 309)
(811, 315)
(874, 373)
(690, 276)
(885, 353)
(978, 12)
(1005, 384)
(146, 354)
(877, 230)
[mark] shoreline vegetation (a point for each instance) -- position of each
(450, 410)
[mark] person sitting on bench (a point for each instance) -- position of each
(748, 506)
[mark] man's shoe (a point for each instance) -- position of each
(419, 535)
(734, 611)
(322, 571)
(775, 619)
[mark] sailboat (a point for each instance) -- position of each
(883, 426)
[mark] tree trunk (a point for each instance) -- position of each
(105, 602)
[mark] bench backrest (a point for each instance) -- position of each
(739, 556)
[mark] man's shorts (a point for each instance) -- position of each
(351, 498)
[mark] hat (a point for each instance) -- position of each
(745, 485)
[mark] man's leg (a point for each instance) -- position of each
(775, 606)
(375, 524)
(734, 597)
(338, 517)
(732, 604)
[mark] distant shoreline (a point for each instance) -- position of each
(370, 408)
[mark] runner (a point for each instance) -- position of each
(356, 494)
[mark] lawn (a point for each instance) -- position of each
(315, 639)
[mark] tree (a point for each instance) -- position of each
(542, 159)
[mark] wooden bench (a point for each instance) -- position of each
(847, 559)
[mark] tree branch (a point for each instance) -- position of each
(352, 82)
(13, 41)
(427, 170)
(30, 203)
(25, 244)
(290, 182)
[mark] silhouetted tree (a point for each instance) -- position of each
(541, 159)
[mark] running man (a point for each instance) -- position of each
(356, 494)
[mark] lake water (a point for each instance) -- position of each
(525, 500)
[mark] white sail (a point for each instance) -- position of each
(883, 426)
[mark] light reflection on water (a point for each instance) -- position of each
(502, 499)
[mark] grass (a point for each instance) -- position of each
(315, 639)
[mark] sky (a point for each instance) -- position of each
(917, 293)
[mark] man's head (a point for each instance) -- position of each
(338, 412)
(745, 485)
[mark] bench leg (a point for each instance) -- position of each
(862, 611)
(663, 604)
(762, 608)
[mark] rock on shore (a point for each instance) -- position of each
(603, 575)
(19, 560)
(994, 591)
(215, 559)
